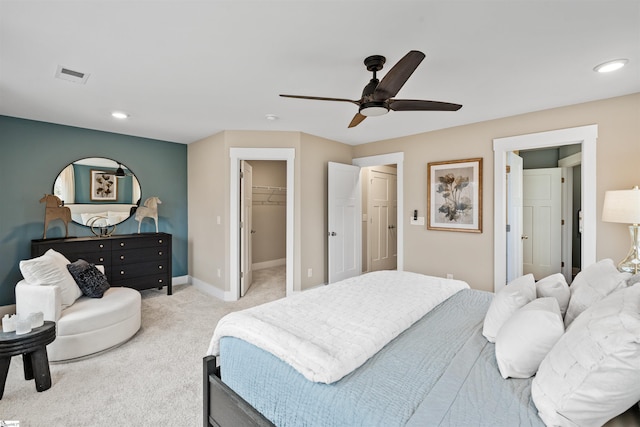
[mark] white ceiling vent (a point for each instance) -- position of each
(71, 75)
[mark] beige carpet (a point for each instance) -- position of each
(154, 379)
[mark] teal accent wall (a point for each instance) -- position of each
(32, 154)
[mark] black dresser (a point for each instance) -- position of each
(139, 261)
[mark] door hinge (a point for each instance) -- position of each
(562, 264)
(241, 275)
(508, 228)
(241, 174)
(241, 224)
(562, 180)
(508, 169)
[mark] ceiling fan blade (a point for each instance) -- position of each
(398, 75)
(421, 105)
(357, 119)
(321, 98)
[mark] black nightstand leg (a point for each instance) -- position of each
(28, 367)
(4, 370)
(40, 363)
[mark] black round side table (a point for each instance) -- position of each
(33, 348)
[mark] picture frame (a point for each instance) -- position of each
(454, 195)
(104, 186)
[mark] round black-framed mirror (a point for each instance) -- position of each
(99, 191)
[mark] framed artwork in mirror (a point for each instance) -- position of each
(104, 186)
(454, 195)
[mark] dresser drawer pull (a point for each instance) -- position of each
(101, 246)
(159, 240)
(159, 267)
(122, 272)
(160, 253)
(121, 256)
(160, 280)
(101, 259)
(121, 244)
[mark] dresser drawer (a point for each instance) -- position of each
(130, 256)
(130, 243)
(128, 271)
(143, 282)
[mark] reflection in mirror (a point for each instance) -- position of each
(98, 191)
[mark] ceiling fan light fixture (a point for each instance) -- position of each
(373, 109)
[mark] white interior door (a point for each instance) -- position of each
(542, 221)
(382, 230)
(514, 216)
(246, 220)
(344, 222)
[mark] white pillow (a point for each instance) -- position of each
(51, 269)
(592, 374)
(527, 336)
(516, 294)
(591, 285)
(555, 286)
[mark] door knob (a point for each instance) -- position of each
(391, 227)
(332, 233)
(524, 237)
(253, 231)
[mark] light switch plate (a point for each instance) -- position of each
(419, 221)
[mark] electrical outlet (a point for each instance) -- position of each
(449, 276)
(309, 272)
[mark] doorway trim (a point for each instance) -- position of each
(586, 136)
(398, 160)
(237, 154)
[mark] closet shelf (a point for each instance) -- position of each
(269, 195)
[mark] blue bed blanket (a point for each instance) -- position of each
(439, 372)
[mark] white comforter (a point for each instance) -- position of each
(326, 333)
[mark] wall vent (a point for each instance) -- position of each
(71, 75)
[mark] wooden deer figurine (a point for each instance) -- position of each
(150, 209)
(54, 209)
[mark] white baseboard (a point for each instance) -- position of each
(212, 290)
(180, 280)
(7, 309)
(269, 264)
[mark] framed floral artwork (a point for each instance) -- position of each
(454, 195)
(104, 186)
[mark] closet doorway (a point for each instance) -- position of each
(238, 154)
(263, 218)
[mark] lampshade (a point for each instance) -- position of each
(120, 172)
(622, 206)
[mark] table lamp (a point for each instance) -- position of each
(624, 206)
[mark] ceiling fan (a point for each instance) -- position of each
(377, 96)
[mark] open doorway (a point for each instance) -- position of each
(392, 162)
(264, 219)
(543, 226)
(379, 217)
(237, 155)
(586, 137)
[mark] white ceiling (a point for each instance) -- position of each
(185, 70)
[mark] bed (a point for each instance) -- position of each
(431, 366)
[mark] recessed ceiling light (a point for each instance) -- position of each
(119, 115)
(609, 66)
(271, 117)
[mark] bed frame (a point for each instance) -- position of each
(222, 407)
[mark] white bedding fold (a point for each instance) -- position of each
(326, 333)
